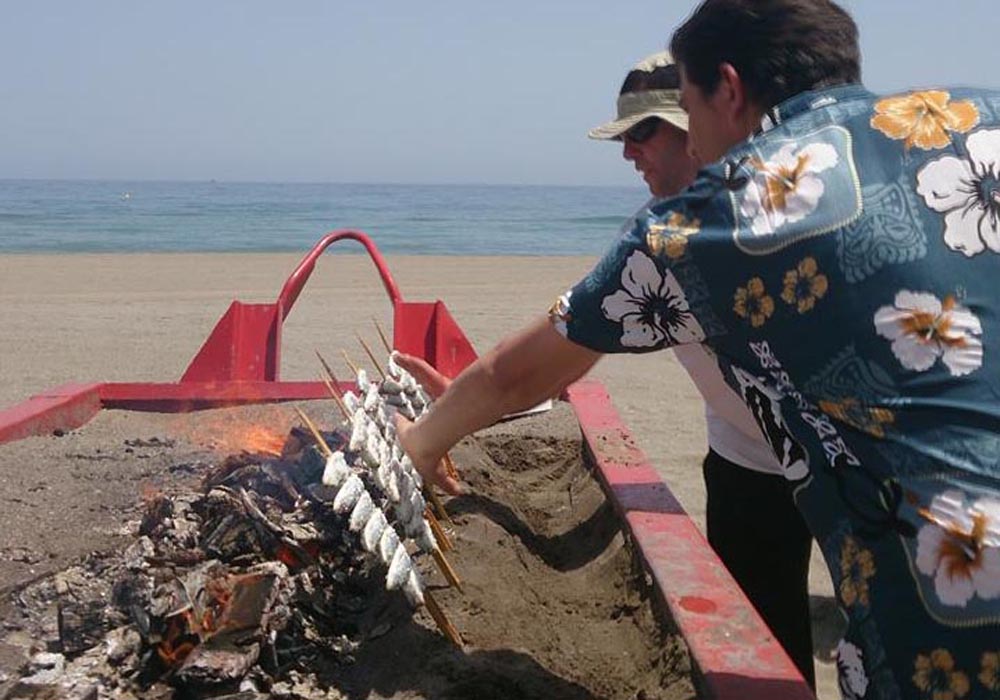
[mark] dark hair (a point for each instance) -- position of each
(779, 47)
(660, 78)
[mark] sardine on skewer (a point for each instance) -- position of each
(377, 534)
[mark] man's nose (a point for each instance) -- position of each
(629, 151)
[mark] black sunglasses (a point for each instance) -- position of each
(643, 131)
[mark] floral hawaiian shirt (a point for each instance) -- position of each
(844, 266)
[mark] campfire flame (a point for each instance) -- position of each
(263, 440)
(233, 433)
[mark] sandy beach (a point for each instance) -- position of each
(142, 317)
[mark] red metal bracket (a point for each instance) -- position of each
(240, 362)
(245, 345)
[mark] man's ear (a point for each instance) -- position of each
(733, 100)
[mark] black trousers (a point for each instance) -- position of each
(759, 534)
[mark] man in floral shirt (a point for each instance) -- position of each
(841, 257)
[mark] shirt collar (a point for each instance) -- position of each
(808, 101)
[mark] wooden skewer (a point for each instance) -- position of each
(354, 367)
(449, 573)
(328, 368)
(449, 465)
(443, 564)
(336, 397)
(440, 536)
(431, 496)
(371, 356)
(388, 347)
(437, 614)
(327, 452)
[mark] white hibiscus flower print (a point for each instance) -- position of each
(787, 188)
(967, 192)
(960, 548)
(923, 328)
(851, 671)
(651, 307)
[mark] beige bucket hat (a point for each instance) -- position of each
(633, 107)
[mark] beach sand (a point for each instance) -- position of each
(142, 317)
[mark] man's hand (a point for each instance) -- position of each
(433, 382)
(431, 467)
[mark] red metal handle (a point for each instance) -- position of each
(295, 282)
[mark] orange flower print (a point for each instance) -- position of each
(936, 676)
(753, 302)
(559, 313)
(857, 565)
(670, 235)
(854, 413)
(804, 286)
(989, 674)
(923, 119)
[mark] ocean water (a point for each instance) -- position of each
(118, 216)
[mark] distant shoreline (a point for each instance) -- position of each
(47, 216)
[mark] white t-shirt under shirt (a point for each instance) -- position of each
(732, 430)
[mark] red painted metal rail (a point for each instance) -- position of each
(735, 655)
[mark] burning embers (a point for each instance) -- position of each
(278, 566)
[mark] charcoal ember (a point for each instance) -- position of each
(45, 667)
(81, 625)
(303, 685)
(185, 593)
(221, 473)
(300, 532)
(322, 492)
(25, 690)
(131, 594)
(81, 602)
(252, 599)
(48, 679)
(122, 644)
(231, 529)
(158, 509)
(235, 535)
(217, 662)
(157, 691)
(266, 477)
(138, 552)
(183, 506)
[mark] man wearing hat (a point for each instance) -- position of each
(752, 522)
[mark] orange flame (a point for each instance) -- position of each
(261, 439)
(233, 430)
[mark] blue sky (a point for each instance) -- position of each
(392, 91)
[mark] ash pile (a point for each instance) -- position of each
(258, 585)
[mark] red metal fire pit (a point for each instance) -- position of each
(736, 657)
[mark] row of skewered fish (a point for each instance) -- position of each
(373, 447)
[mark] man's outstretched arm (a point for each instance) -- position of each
(525, 368)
